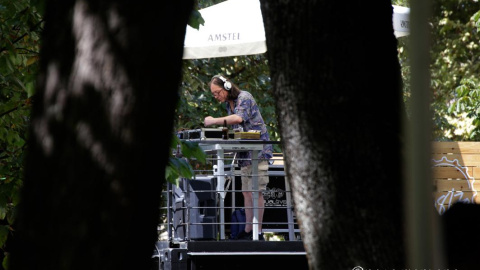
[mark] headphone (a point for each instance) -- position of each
(226, 84)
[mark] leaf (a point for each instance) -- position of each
(170, 174)
(196, 20)
(6, 64)
(183, 167)
(30, 89)
(192, 150)
(19, 83)
(31, 60)
(178, 167)
(6, 261)
(3, 211)
(4, 231)
(11, 215)
(476, 18)
(19, 141)
(15, 194)
(175, 141)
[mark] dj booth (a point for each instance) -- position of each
(199, 210)
(222, 186)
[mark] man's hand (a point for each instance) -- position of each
(209, 121)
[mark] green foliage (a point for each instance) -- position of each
(179, 163)
(196, 19)
(20, 31)
(466, 106)
(454, 69)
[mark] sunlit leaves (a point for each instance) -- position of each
(476, 19)
(455, 66)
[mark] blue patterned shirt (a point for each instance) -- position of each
(247, 109)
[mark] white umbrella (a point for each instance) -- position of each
(401, 21)
(235, 27)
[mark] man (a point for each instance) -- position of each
(242, 111)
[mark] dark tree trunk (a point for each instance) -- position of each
(337, 84)
(100, 133)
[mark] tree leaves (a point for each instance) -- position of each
(20, 31)
(4, 231)
(454, 67)
(476, 19)
(196, 19)
(179, 163)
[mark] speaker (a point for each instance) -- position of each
(275, 196)
(194, 205)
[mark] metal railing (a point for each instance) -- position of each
(201, 208)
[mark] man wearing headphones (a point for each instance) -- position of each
(242, 111)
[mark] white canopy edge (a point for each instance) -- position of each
(235, 27)
(225, 51)
(401, 21)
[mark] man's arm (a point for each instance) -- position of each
(232, 119)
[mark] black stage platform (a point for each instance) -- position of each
(230, 254)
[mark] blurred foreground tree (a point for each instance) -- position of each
(96, 160)
(339, 107)
(20, 28)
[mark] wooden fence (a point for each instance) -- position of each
(455, 166)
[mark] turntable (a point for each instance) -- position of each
(203, 134)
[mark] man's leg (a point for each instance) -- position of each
(261, 210)
(248, 199)
(263, 180)
(248, 195)
(248, 203)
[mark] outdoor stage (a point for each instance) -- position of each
(197, 215)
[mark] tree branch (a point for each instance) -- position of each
(24, 35)
(15, 108)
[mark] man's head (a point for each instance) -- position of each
(222, 88)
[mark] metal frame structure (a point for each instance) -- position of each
(187, 247)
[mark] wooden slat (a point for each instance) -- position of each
(458, 185)
(463, 163)
(444, 203)
(452, 172)
(476, 173)
(460, 159)
(456, 196)
(456, 147)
